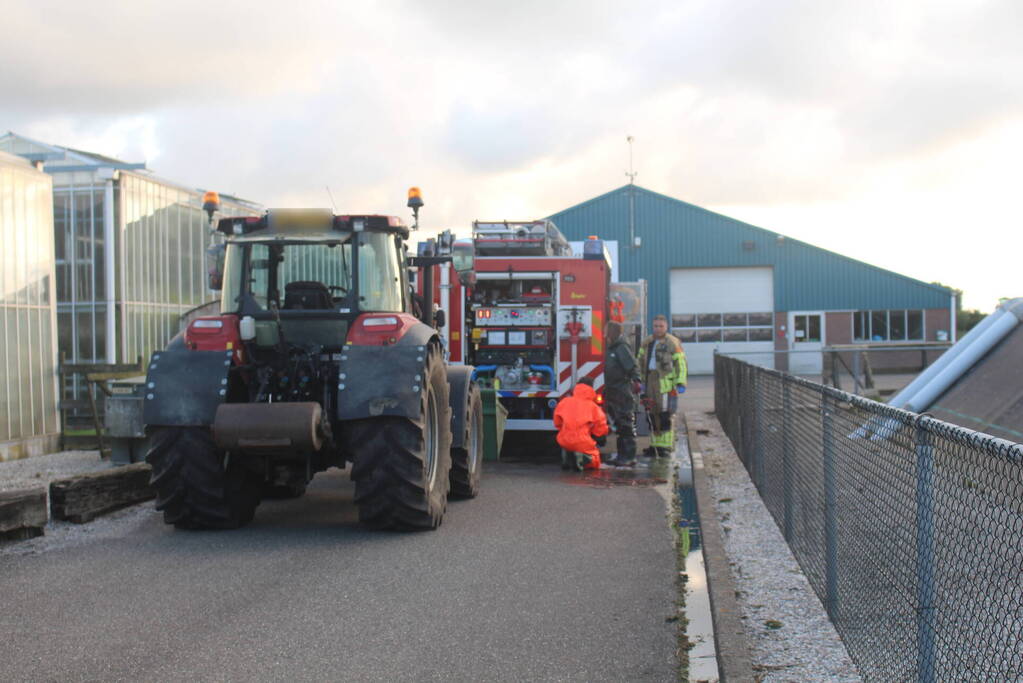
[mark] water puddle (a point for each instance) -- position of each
(703, 664)
(619, 476)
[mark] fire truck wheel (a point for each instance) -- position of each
(401, 468)
(193, 488)
(467, 461)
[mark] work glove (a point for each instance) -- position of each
(637, 386)
(601, 441)
(680, 388)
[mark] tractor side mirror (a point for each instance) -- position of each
(215, 266)
(463, 258)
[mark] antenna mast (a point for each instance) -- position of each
(631, 173)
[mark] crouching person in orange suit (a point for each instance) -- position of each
(581, 424)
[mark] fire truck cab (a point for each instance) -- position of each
(532, 324)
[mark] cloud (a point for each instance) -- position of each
(131, 57)
(521, 109)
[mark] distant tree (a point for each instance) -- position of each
(966, 319)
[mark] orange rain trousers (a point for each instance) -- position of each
(578, 419)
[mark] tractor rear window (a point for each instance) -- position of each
(297, 276)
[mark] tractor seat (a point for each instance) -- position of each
(307, 295)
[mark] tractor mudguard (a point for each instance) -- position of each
(177, 342)
(185, 387)
(419, 334)
(459, 380)
(382, 380)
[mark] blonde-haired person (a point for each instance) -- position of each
(663, 368)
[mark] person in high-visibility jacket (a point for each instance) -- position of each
(581, 423)
(663, 364)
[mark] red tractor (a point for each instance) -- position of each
(316, 360)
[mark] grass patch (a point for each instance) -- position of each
(90, 431)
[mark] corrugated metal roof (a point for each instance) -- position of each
(676, 234)
(81, 160)
(988, 397)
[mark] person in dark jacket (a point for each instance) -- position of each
(621, 379)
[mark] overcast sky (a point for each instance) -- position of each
(888, 131)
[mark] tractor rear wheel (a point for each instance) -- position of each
(197, 486)
(467, 460)
(402, 466)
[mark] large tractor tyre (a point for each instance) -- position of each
(401, 468)
(467, 460)
(193, 488)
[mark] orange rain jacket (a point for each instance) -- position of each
(578, 419)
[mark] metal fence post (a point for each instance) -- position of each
(758, 432)
(786, 457)
(830, 511)
(925, 555)
(856, 371)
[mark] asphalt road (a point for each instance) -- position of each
(540, 578)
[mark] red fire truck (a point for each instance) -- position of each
(533, 322)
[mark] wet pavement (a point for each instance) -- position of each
(659, 472)
(703, 665)
(534, 580)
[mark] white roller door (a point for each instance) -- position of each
(729, 309)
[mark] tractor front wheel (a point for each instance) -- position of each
(197, 485)
(467, 460)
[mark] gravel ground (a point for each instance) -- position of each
(790, 636)
(61, 535)
(40, 470)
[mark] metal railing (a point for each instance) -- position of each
(909, 529)
(861, 361)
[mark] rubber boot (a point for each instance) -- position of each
(581, 461)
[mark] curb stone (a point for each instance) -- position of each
(734, 663)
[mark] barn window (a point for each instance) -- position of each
(884, 326)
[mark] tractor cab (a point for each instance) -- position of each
(308, 274)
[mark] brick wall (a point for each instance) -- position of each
(838, 328)
(936, 319)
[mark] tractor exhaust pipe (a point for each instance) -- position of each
(269, 427)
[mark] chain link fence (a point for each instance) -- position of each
(909, 529)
